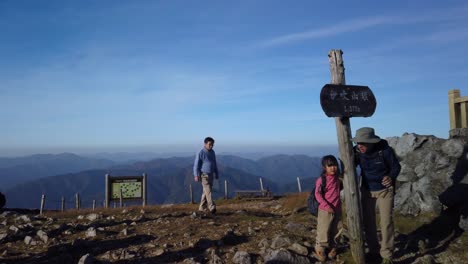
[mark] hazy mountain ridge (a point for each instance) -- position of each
(168, 180)
(18, 170)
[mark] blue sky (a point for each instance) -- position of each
(110, 74)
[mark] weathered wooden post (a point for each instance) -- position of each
(342, 102)
(145, 189)
(42, 204)
(191, 194)
(106, 194)
(225, 189)
(299, 184)
(261, 184)
(63, 204)
(77, 201)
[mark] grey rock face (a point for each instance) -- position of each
(429, 166)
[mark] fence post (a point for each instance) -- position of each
(94, 204)
(225, 189)
(261, 184)
(77, 201)
(106, 195)
(191, 194)
(63, 204)
(145, 190)
(42, 203)
(299, 184)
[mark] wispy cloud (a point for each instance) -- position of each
(348, 26)
(449, 14)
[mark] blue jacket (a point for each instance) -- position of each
(377, 164)
(205, 162)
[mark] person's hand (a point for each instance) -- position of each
(387, 181)
(330, 210)
(197, 178)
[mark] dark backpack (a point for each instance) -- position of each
(312, 203)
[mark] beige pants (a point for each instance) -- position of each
(206, 200)
(327, 228)
(384, 201)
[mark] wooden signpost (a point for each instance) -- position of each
(342, 102)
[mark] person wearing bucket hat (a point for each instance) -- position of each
(379, 170)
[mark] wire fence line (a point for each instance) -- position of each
(76, 203)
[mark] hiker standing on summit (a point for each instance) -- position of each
(379, 170)
(205, 170)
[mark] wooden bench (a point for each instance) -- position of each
(253, 194)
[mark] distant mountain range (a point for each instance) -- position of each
(14, 171)
(168, 179)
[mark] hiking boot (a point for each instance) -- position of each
(332, 253)
(320, 255)
(213, 211)
(387, 261)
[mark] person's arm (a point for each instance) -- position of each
(392, 162)
(320, 196)
(197, 167)
(215, 166)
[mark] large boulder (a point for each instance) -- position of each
(430, 165)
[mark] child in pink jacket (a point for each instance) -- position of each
(329, 213)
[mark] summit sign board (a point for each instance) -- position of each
(347, 100)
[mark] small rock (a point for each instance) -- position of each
(3, 236)
(24, 218)
(14, 229)
(133, 224)
(280, 242)
(142, 211)
(297, 228)
(284, 256)
(124, 232)
(299, 249)
(43, 236)
(86, 259)
(28, 240)
(80, 217)
(91, 232)
(264, 243)
(93, 217)
(241, 257)
(124, 211)
(159, 252)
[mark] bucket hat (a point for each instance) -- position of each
(365, 135)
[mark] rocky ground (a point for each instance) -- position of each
(268, 231)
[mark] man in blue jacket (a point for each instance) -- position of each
(379, 170)
(205, 170)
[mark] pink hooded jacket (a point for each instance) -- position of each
(332, 193)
